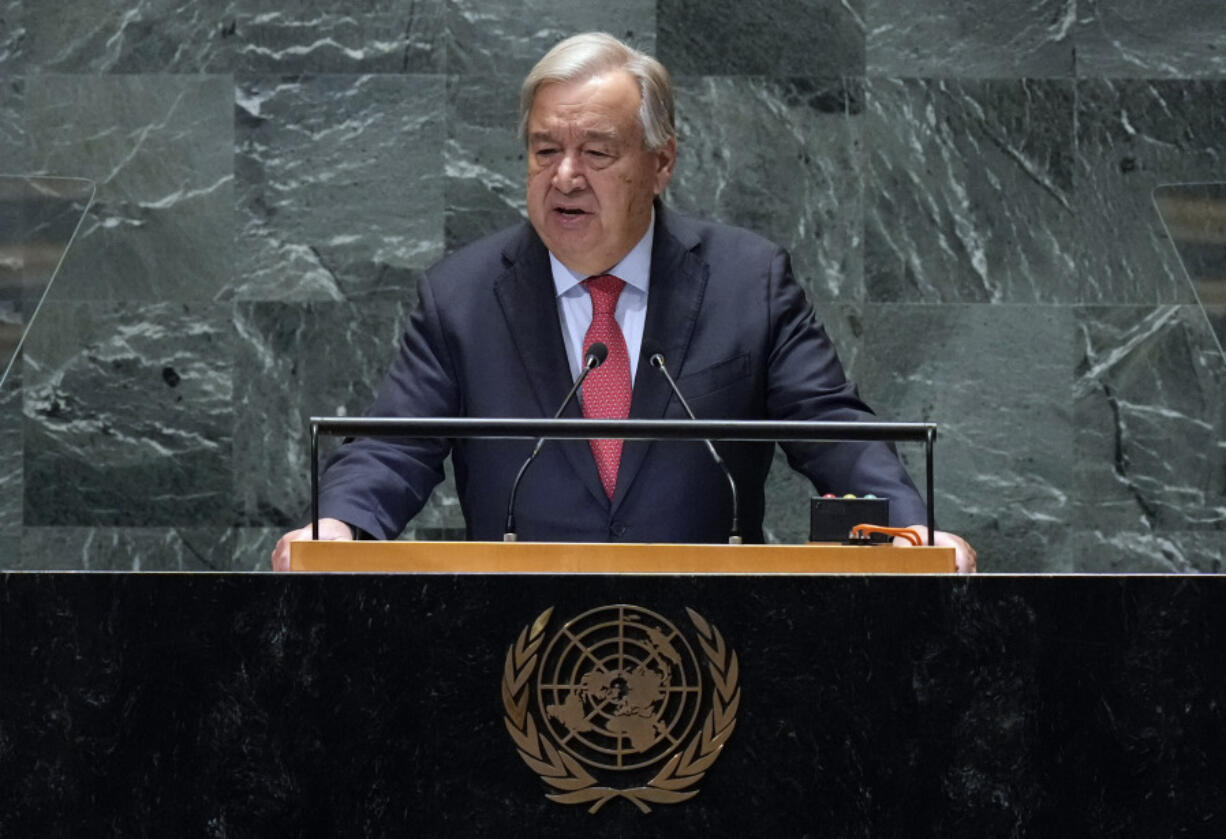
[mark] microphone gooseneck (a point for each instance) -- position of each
(595, 356)
(734, 535)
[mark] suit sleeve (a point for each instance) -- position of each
(806, 382)
(379, 484)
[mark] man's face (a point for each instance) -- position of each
(591, 181)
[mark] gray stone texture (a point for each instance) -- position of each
(161, 149)
(332, 36)
(14, 149)
(1148, 412)
(128, 415)
(118, 36)
(781, 38)
(966, 191)
(483, 158)
(1133, 136)
(12, 37)
(938, 38)
(787, 169)
(338, 185)
(1174, 39)
(506, 37)
(969, 191)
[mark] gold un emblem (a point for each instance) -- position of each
(617, 691)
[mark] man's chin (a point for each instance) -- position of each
(577, 252)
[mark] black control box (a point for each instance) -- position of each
(831, 519)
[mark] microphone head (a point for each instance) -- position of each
(596, 354)
(657, 361)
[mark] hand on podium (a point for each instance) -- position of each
(330, 530)
(965, 557)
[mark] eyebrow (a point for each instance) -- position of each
(588, 136)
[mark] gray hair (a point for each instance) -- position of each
(583, 56)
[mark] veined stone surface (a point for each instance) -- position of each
(339, 182)
(969, 191)
(781, 38)
(129, 421)
(964, 39)
(787, 169)
(1136, 39)
(161, 150)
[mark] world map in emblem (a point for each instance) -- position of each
(620, 687)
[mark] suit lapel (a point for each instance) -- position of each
(526, 294)
(678, 281)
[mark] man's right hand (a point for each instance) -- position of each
(330, 530)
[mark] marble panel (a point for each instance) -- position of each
(483, 158)
(10, 461)
(161, 151)
(1147, 552)
(122, 36)
(332, 36)
(965, 39)
(1147, 40)
(997, 381)
(1194, 216)
(128, 415)
(295, 361)
(14, 148)
(1150, 413)
(1216, 314)
(779, 157)
(145, 549)
(339, 185)
(493, 37)
(969, 191)
(12, 37)
(780, 38)
(1131, 137)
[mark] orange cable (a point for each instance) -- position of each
(910, 534)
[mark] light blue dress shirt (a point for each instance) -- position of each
(575, 304)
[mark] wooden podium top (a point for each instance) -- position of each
(606, 558)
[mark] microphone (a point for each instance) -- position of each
(734, 535)
(596, 355)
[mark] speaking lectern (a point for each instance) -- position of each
(611, 690)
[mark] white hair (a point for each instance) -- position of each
(583, 56)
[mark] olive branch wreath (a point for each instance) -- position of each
(672, 784)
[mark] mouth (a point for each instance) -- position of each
(570, 212)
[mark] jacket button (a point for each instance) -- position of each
(618, 528)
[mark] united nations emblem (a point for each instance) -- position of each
(619, 690)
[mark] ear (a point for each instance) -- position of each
(666, 159)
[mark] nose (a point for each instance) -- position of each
(569, 177)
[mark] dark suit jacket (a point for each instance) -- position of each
(485, 341)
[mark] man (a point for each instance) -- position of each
(503, 326)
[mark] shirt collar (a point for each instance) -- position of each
(634, 269)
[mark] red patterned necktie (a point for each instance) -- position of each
(606, 393)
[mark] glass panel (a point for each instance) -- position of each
(1195, 219)
(39, 216)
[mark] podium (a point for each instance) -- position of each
(606, 558)
(392, 704)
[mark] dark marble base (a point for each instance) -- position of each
(257, 705)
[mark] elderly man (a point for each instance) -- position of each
(503, 326)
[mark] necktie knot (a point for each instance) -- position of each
(604, 291)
